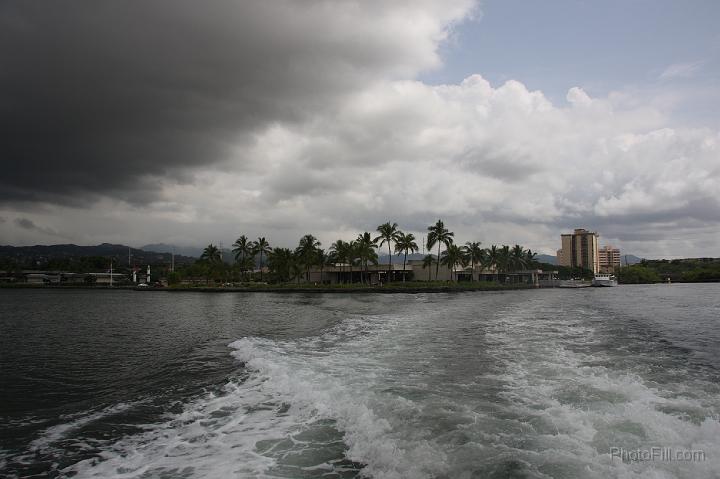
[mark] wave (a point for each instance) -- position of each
(305, 408)
(58, 432)
(576, 396)
(526, 391)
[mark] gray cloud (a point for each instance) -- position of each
(503, 164)
(281, 118)
(114, 98)
(25, 223)
(30, 225)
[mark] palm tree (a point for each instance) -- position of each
(322, 259)
(243, 250)
(530, 258)
(453, 256)
(504, 259)
(405, 243)
(211, 254)
(245, 265)
(428, 261)
(339, 253)
(296, 269)
(440, 235)
(365, 251)
(485, 262)
(261, 246)
(493, 258)
(517, 257)
(280, 262)
(307, 252)
(351, 255)
(212, 259)
(388, 234)
(474, 254)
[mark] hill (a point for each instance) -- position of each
(546, 258)
(68, 256)
(191, 251)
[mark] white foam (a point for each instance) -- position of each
(581, 409)
(292, 388)
(560, 407)
(58, 432)
(347, 398)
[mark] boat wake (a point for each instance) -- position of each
(476, 386)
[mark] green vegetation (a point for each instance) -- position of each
(702, 275)
(637, 274)
(566, 272)
(388, 233)
(438, 234)
(405, 243)
(687, 270)
(289, 268)
(257, 264)
(174, 278)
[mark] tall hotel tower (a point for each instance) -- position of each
(580, 249)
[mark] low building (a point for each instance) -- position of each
(344, 273)
(414, 271)
(63, 277)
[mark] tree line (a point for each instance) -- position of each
(251, 257)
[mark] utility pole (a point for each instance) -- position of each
(111, 273)
(172, 260)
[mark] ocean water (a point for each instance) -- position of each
(522, 384)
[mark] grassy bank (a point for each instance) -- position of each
(409, 287)
(62, 286)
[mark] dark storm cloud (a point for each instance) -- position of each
(25, 223)
(108, 96)
(30, 225)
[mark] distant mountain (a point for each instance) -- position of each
(546, 258)
(39, 255)
(629, 259)
(549, 259)
(191, 251)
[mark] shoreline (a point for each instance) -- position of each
(414, 289)
(393, 289)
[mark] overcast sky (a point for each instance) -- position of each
(189, 122)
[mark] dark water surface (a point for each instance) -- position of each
(539, 384)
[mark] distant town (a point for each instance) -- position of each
(388, 256)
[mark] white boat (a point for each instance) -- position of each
(573, 283)
(603, 279)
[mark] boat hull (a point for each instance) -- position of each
(573, 284)
(604, 283)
